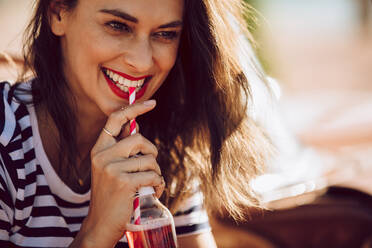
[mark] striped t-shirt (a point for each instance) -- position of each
(36, 208)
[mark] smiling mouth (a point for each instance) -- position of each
(123, 83)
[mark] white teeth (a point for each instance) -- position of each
(123, 88)
(121, 80)
(140, 83)
(115, 77)
(124, 83)
(127, 82)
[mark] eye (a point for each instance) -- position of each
(168, 35)
(118, 26)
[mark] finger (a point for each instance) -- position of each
(117, 119)
(143, 179)
(138, 164)
(160, 188)
(125, 131)
(127, 148)
(131, 146)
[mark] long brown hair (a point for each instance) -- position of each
(200, 125)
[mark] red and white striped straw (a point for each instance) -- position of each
(132, 100)
(136, 203)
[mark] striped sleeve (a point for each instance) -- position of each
(7, 126)
(5, 208)
(7, 116)
(191, 217)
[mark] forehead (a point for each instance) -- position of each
(143, 10)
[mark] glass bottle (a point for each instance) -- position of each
(156, 228)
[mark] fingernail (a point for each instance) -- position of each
(149, 102)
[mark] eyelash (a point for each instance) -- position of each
(169, 35)
(122, 27)
(118, 26)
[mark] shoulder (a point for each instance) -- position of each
(16, 145)
(12, 115)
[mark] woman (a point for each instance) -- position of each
(68, 170)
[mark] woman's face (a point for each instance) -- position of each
(109, 45)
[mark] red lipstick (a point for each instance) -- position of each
(128, 76)
(120, 93)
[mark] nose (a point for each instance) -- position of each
(139, 55)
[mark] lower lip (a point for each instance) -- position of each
(124, 95)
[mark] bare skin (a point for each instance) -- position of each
(116, 176)
(49, 134)
(120, 176)
(137, 48)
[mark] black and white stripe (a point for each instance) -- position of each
(36, 208)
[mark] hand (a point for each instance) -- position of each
(116, 176)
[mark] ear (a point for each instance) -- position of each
(57, 17)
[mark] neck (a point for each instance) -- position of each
(88, 127)
(90, 123)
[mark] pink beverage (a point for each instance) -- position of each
(151, 224)
(160, 237)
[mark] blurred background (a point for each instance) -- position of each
(320, 52)
(318, 191)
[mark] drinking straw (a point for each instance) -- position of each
(136, 205)
(132, 100)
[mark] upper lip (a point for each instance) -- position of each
(128, 76)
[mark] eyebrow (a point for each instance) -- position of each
(174, 24)
(125, 16)
(120, 14)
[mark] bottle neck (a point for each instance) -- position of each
(146, 190)
(148, 200)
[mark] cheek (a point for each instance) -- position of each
(99, 50)
(166, 57)
(92, 48)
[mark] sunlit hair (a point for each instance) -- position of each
(200, 124)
